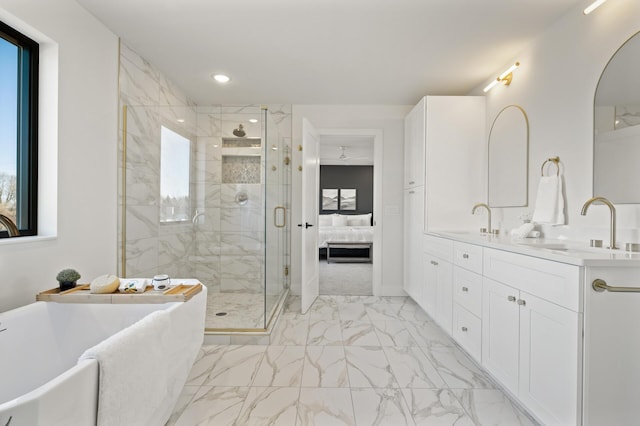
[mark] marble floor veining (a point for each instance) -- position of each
(351, 360)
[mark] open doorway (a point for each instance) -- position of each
(347, 216)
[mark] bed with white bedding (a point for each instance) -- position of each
(339, 228)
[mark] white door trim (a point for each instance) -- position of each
(377, 136)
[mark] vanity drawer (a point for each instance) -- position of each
(438, 247)
(468, 256)
(467, 290)
(467, 330)
(555, 282)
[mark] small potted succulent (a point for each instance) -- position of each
(67, 278)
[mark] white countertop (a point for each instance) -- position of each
(571, 252)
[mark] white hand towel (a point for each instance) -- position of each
(549, 201)
(522, 231)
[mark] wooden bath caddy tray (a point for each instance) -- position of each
(80, 294)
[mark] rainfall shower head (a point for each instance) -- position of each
(239, 132)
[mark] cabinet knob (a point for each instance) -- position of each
(465, 256)
(465, 289)
(464, 329)
(434, 263)
(511, 298)
(411, 182)
(412, 192)
(521, 302)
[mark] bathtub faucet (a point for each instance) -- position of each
(12, 229)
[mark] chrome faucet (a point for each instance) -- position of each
(612, 212)
(473, 211)
(12, 229)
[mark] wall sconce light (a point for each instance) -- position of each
(504, 78)
(596, 4)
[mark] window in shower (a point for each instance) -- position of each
(175, 166)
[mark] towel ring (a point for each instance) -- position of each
(554, 160)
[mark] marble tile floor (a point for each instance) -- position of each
(351, 360)
(243, 310)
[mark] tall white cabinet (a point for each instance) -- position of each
(444, 153)
(414, 162)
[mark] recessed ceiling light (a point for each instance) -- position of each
(221, 78)
(253, 120)
(180, 120)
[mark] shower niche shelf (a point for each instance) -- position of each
(241, 160)
(241, 142)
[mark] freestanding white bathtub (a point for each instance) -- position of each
(42, 380)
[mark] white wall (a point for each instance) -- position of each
(389, 119)
(78, 144)
(555, 85)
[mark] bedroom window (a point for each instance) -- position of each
(18, 130)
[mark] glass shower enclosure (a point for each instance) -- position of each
(205, 193)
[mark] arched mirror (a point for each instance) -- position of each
(616, 155)
(508, 170)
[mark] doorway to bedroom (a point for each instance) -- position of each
(346, 215)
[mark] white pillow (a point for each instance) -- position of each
(325, 220)
(339, 220)
(359, 220)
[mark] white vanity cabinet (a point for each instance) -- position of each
(532, 343)
(532, 318)
(612, 348)
(467, 298)
(438, 281)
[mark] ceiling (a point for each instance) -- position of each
(378, 52)
(358, 150)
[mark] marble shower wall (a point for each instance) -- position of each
(226, 173)
(152, 101)
(225, 248)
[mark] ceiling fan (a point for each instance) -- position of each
(345, 157)
(342, 157)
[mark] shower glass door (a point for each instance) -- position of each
(205, 194)
(276, 194)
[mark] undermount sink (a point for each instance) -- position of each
(558, 247)
(549, 246)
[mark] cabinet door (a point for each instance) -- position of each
(413, 269)
(444, 295)
(549, 360)
(414, 140)
(437, 297)
(430, 285)
(500, 332)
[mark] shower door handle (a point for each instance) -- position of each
(306, 225)
(284, 217)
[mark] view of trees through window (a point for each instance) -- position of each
(175, 156)
(8, 195)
